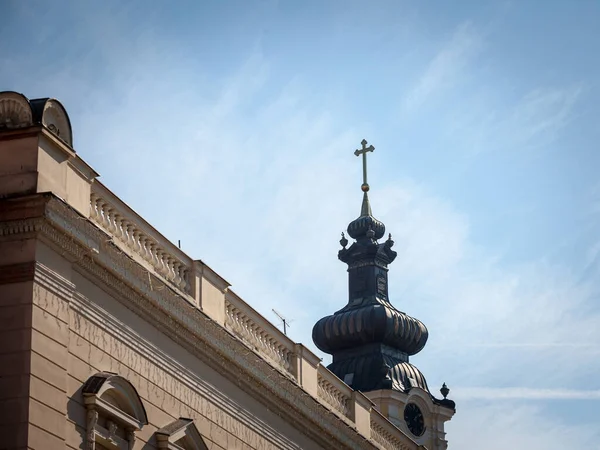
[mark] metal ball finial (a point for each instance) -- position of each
(364, 187)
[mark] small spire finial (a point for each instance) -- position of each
(363, 151)
(445, 391)
(343, 240)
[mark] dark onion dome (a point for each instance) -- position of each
(370, 340)
(379, 371)
(359, 228)
(376, 323)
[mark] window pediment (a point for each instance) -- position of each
(180, 434)
(114, 412)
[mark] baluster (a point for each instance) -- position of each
(136, 240)
(157, 258)
(165, 265)
(129, 231)
(245, 328)
(102, 212)
(101, 205)
(250, 329)
(282, 357)
(168, 261)
(169, 265)
(160, 267)
(94, 206)
(240, 324)
(183, 284)
(276, 350)
(233, 317)
(144, 252)
(151, 246)
(118, 221)
(109, 219)
(177, 273)
(259, 337)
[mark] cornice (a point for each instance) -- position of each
(94, 254)
(53, 282)
(19, 133)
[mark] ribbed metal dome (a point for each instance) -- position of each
(359, 228)
(376, 323)
(379, 371)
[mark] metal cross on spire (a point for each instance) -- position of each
(363, 152)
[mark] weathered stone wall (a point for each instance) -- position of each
(105, 336)
(77, 334)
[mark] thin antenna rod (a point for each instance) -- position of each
(286, 323)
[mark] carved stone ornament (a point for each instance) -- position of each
(55, 119)
(15, 111)
(90, 435)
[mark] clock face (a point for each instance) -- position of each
(414, 419)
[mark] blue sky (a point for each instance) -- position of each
(231, 126)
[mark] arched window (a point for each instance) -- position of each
(180, 434)
(114, 412)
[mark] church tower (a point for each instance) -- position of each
(371, 341)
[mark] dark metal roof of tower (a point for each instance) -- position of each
(370, 339)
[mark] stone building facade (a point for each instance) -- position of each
(113, 338)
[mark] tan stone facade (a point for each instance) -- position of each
(112, 337)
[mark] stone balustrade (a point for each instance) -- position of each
(252, 328)
(334, 392)
(134, 234)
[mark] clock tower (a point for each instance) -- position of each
(371, 341)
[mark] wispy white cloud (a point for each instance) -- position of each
(519, 393)
(542, 114)
(446, 67)
(498, 425)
